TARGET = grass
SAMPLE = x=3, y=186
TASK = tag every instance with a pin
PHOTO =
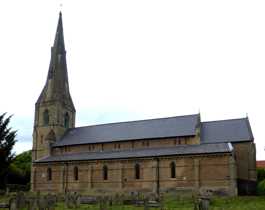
x=177, y=203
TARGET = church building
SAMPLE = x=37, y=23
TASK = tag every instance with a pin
x=155, y=155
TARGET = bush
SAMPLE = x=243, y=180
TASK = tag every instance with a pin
x=261, y=188
x=260, y=174
x=18, y=187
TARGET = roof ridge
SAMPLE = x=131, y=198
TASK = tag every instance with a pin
x=135, y=121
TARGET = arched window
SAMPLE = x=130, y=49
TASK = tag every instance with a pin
x=137, y=171
x=105, y=172
x=173, y=169
x=76, y=173
x=49, y=174
x=66, y=120
x=46, y=117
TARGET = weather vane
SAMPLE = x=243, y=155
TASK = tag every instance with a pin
x=61, y=6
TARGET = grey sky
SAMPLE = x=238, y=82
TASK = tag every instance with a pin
x=130, y=60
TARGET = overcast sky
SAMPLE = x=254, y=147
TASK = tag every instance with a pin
x=139, y=59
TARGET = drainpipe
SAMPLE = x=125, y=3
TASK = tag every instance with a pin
x=66, y=181
x=157, y=177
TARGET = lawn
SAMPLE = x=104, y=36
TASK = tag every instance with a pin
x=176, y=203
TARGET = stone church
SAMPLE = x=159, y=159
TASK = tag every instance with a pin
x=154, y=155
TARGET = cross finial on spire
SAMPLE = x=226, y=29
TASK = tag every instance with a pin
x=61, y=7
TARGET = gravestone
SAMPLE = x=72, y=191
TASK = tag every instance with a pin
x=72, y=200
x=50, y=201
x=76, y=200
x=202, y=203
x=102, y=203
x=21, y=200
x=42, y=203
x=146, y=207
x=205, y=202
x=13, y=204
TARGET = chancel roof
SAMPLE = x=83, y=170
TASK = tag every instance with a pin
x=142, y=153
x=235, y=130
x=134, y=130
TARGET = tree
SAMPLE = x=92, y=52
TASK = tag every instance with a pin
x=7, y=141
x=19, y=169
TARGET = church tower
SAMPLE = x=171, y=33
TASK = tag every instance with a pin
x=54, y=109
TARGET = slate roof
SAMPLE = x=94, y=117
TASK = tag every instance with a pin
x=235, y=130
x=143, y=129
x=142, y=153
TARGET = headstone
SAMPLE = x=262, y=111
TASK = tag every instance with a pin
x=161, y=200
x=51, y=201
x=76, y=200
x=72, y=200
x=146, y=207
x=13, y=204
x=205, y=204
x=68, y=200
x=21, y=200
x=42, y=203
x=32, y=204
x=7, y=191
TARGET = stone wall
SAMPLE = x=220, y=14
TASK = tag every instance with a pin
x=214, y=172
x=121, y=145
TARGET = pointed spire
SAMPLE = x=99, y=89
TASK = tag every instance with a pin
x=58, y=45
x=57, y=87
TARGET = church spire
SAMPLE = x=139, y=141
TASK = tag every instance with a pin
x=54, y=109
x=57, y=86
x=59, y=38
